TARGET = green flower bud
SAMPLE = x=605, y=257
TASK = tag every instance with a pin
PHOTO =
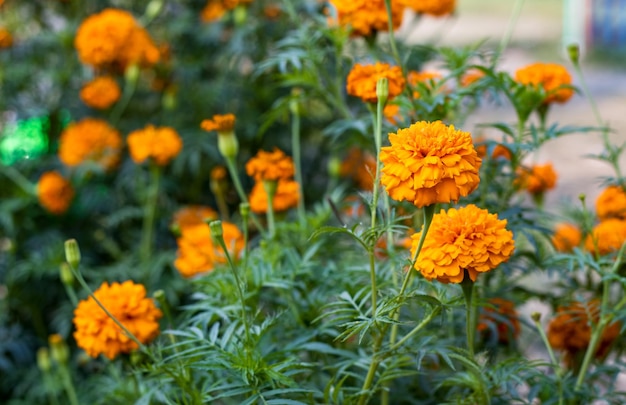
x=65, y=273
x=43, y=359
x=58, y=348
x=72, y=253
x=382, y=89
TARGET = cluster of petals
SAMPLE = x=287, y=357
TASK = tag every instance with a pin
x=537, y=179
x=606, y=237
x=112, y=37
x=435, y=8
x=6, y=39
x=465, y=239
x=90, y=140
x=286, y=197
x=360, y=166
x=554, y=79
x=97, y=333
x=101, y=93
x=499, y=318
x=215, y=9
x=566, y=237
x=55, y=192
x=429, y=163
x=161, y=144
x=499, y=150
x=611, y=203
x=198, y=253
x=362, y=80
x=471, y=76
x=366, y=17
x=192, y=215
x=271, y=166
x=219, y=123
x=426, y=77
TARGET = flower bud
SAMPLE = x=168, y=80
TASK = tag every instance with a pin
x=227, y=144
x=72, y=253
x=334, y=167
x=216, y=230
x=58, y=348
x=573, y=51
x=294, y=102
x=43, y=359
x=536, y=316
x=240, y=14
x=382, y=89
x=169, y=100
x=244, y=210
x=131, y=74
x=154, y=9
x=65, y=274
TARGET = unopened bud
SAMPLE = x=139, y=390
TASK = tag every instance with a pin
x=382, y=89
x=154, y=9
x=294, y=102
x=582, y=198
x=43, y=359
x=65, y=274
x=216, y=230
x=72, y=253
x=169, y=100
x=227, y=144
x=536, y=316
x=240, y=14
x=334, y=166
x=159, y=295
x=58, y=348
x=131, y=74
x=244, y=210
x=573, y=51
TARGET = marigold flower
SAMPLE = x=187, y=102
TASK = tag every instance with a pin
x=551, y=76
x=566, y=237
x=611, y=203
x=537, y=179
x=54, y=192
x=101, y=93
x=6, y=39
x=429, y=163
x=219, y=123
x=471, y=76
x=422, y=77
x=607, y=236
x=362, y=81
x=159, y=143
x=435, y=8
x=360, y=166
x=570, y=330
x=467, y=238
x=192, y=215
x=90, y=140
x=392, y=113
x=198, y=254
x=499, y=151
x=215, y=9
x=286, y=197
x=366, y=17
x=273, y=165
x=97, y=333
x=500, y=317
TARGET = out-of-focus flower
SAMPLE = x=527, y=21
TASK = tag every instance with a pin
x=198, y=254
x=6, y=39
x=566, y=237
x=366, y=17
x=286, y=197
x=426, y=77
x=360, y=166
x=224, y=125
x=435, y=8
x=392, y=113
x=271, y=166
x=219, y=123
x=429, y=163
x=608, y=236
x=551, y=76
x=501, y=318
x=272, y=11
x=90, y=140
x=362, y=81
x=537, y=179
x=159, y=143
x=192, y=215
x=215, y=9
x=499, y=151
x=611, y=203
x=467, y=238
x=471, y=76
x=54, y=192
x=100, y=93
x=97, y=333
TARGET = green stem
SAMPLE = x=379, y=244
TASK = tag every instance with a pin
x=378, y=122
x=392, y=39
x=68, y=385
x=121, y=105
x=230, y=164
x=506, y=38
x=470, y=327
x=297, y=160
x=49, y=388
x=270, y=191
x=152, y=196
x=373, y=279
x=71, y=294
x=19, y=180
x=555, y=363
x=436, y=311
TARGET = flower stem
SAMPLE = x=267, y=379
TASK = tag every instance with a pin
x=152, y=196
x=392, y=39
x=373, y=279
x=555, y=363
x=378, y=123
x=19, y=179
x=230, y=164
x=270, y=191
x=129, y=89
x=297, y=160
x=417, y=328
x=470, y=326
x=68, y=385
x=506, y=38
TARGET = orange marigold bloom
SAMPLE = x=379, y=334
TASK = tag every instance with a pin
x=6, y=39
x=97, y=333
x=286, y=197
x=538, y=179
x=159, y=143
x=101, y=93
x=422, y=77
x=198, y=254
x=360, y=166
x=362, y=81
x=215, y=9
x=500, y=317
x=273, y=165
x=551, y=76
x=611, y=203
x=429, y=163
x=90, y=140
x=608, y=235
x=570, y=331
x=499, y=151
x=54, y=192
x=365, y=17
x=193, y=215
x=435, y=8
x=467, y=238
x=566, y=237
x=471, y=76
x=392, y=113
x=219, y=123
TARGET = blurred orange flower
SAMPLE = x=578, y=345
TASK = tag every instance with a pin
x=537, y=179
x=272, y=166
x=215, y=9
x=6, y=39
x=159, y=143
x=551, y=76
x=366, y=17
x=471, y=76
x=435, y=8
x=425, y=77
x=500, y=317
x=566, y=237
x=54, y=192
x=499, y=151
x=90, y=140
x=429, y=163
x=219, y=123
x=192, y=215
x=360, y=166
x=611, y=203
x=362, y=81
x=467, y=238
x=100, y=93
x=608, y=236
x=97, y=333
x=287, y=196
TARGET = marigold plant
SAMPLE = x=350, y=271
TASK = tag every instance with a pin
x=366, y=17
x=101, y=93
x=90, y=140
x=611, y=203
x=362, y=81
x=499, y=320
x=271, y=166
x=286, y=197
x=429, y=163
x=554, y=79
x=55, y=193
x=566, y=237
x=161, y=144
x=97, y=333
x=467, y=238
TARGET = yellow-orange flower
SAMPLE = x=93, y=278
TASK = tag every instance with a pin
x=198, y=254
x=500, y=317
x=362, y=81
x=271, y=166
x=608, y=236
x=551, y=76
x=471, y=76
x=159, y=143
x=467, y=238
x=54, y=192
x=570, y=331
x=6, y=39
x=611, y=203
x=360, y=166
x=429, y=163
x=193, y=215
x=499, y=151
x=101, y=93
x=392, y=113
x=113, y=37
x=425, y=77
x=286, y=197
x=97, y=333
x=366, y=17
x=537, y=179
x=90, y=140
x=566, y=237
x=219, y=123
x=435, y=8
